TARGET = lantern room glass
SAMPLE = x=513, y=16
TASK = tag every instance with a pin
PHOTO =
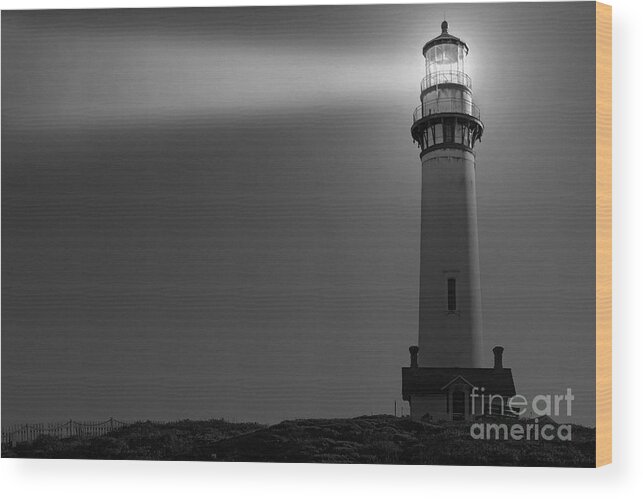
x=445, y=58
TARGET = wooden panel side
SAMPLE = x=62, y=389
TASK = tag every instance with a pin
x=603, y=234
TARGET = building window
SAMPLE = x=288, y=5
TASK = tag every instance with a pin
x=438, y=133
x=451, y=305
x=449, y=126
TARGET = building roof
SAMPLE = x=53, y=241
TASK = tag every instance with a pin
x=434, y=380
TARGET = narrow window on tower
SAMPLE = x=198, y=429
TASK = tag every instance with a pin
x=438, y=133
x=451, y=305
x=449, y=126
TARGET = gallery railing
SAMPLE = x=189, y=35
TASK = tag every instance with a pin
x=442, y=77
x=440, y=106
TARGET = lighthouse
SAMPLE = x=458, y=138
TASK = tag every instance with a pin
x=446, y=127
x=447, y=362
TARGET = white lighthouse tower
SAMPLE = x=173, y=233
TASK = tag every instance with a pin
x=446, y=370
x=446, y=127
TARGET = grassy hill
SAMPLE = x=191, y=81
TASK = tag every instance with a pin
x=367, y=439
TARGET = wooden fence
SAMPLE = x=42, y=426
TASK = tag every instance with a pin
x=29, y=432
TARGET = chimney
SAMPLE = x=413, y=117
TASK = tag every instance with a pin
x=497, y=357
x=414, y=355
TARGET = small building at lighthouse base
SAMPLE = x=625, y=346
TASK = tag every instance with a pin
x=457, y=393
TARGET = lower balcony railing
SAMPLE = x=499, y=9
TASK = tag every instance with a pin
x=442, y=77
x=439, y=106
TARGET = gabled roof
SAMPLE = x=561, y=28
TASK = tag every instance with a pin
x=459, y=377
x=433, y=380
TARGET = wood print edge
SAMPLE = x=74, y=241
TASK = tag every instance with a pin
x=603, y=234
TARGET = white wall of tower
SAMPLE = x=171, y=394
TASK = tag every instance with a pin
x=449, y=250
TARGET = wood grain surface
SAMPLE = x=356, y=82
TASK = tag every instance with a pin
x=603, y=234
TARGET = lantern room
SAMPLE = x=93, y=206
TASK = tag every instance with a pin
x=447, y=116
x=445, y=56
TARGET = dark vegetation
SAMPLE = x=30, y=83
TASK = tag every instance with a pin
x=366, y=439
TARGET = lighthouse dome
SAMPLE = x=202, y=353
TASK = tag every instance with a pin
x=445, y=38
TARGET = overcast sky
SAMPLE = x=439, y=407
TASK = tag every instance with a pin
x=215, y=212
